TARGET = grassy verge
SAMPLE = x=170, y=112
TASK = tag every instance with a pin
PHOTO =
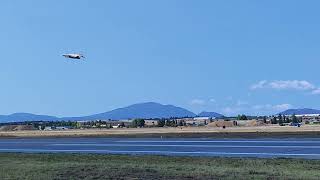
x=92, y=166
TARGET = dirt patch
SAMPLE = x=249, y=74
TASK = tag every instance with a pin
x=17, y=128
x=221, y=124
x=203, y=132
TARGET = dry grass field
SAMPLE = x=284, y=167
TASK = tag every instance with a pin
x=307, y=130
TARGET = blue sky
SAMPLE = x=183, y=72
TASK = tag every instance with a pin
x=253, y=57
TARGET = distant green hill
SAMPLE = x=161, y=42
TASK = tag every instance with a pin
x=300, y=111
x=141, y=110
x=210, y=114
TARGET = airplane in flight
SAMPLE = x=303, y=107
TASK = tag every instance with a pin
x=73, y=56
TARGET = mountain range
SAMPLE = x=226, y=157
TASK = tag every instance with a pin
x=141, y=110
x=210, y=114
x=300, y=111
x=20, y=117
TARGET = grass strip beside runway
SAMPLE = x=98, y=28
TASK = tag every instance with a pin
x=95, y=166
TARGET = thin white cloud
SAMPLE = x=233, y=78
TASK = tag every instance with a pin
x=229, y=98
x=282, y=107
x=212, y=100
x=284, y=85
x=316, y=91
x=259, y=85
x=298, y=85
x=269, y=107
x=232, y=110
x=259, y=107
x=197, y=102
x=287, y=85
x=264, y=109
x=242, y=103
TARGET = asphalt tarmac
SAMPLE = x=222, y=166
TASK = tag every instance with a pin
x=308, y=148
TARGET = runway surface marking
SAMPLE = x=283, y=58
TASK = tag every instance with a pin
x=263, y=148
x=231, y=141
x=163, y=141
x=179, y=145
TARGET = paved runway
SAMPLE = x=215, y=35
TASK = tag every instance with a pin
x=264, y=148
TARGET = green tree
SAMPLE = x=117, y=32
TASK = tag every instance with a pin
x=280, y=120
x=122, y=124
x=264, y=119
x=287, y=119
x=300, y=119
x=138, y=123
x=242, y=117
x=274, y=120
x=171, y=123
x=161, y=122
x=168, y=122
x=294, y=119
x=141, y=122
x=78, y=125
